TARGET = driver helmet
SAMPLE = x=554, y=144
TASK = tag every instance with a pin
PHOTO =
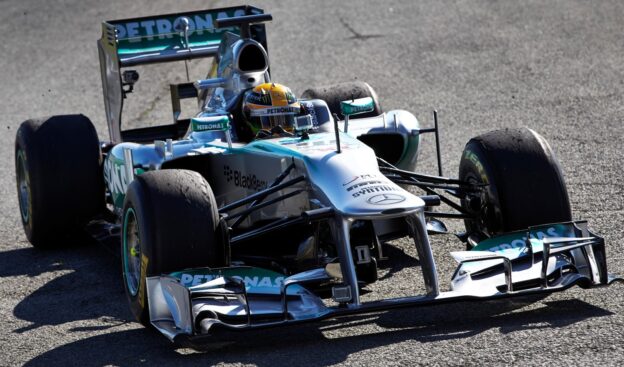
x=271, y=105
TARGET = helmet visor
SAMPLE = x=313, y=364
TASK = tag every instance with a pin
x=285, y=121
x=276, y=116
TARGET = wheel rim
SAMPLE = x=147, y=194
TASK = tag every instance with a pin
x=23, y=186
x=131, y=252
x=480, y=223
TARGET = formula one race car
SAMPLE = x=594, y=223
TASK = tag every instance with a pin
x=264, y=209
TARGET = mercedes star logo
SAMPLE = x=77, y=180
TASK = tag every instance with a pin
x=385, y=199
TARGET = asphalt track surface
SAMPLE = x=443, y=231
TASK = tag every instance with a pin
x=555, y=66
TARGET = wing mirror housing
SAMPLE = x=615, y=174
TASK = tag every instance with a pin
x=210, y=83
x=213, y=123
x=355, y=107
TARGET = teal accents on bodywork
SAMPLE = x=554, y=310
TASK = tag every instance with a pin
x=409, y=157
x=271, y=146
x=513, y=244
x=317, y=144
x=161, y=45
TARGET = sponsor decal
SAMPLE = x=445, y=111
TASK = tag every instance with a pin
x=351, y=181
x=144, y=262
x=163, y=28
x=211, y=126
x=472, y=157
x=116, y=179
x=256, y=280
x=244, y=180
x=517, y=240
x=189, y=280
x=374, y=189
x=357, y=106
x=208, y=125
x=258, y=98
x=365, y=183
x=360, y=177
x=275, y=111
x=511, y=246
x=386, y=199
x=309, y=107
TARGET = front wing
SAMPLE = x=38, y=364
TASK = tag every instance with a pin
x=233, y=300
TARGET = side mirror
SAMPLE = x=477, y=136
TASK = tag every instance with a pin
x=357, y=106
x=210, y=83
x=210, y=123
x=213, y=123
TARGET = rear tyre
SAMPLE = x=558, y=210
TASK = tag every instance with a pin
x=334, y=94
x=60, y=186
x=170, y=222
x=525, y=186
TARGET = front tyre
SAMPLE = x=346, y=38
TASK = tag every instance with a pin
x=523, y=183
x=170, y=222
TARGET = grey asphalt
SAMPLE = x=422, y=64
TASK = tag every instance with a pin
x=556, y=66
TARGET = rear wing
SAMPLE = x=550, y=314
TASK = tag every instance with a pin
x=157, y=39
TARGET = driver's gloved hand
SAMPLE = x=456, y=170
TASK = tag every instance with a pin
x=263, y=134
x=278, y=130
x=275, y=131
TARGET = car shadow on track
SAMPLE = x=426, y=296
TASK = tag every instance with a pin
x=85, y=284
x=284, y=346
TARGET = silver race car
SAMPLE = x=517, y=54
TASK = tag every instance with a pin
x=265, y=209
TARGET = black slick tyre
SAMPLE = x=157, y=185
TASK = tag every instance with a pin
x=524, y=185
x=59, y=178
x=334, y=94
x=169, y=223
